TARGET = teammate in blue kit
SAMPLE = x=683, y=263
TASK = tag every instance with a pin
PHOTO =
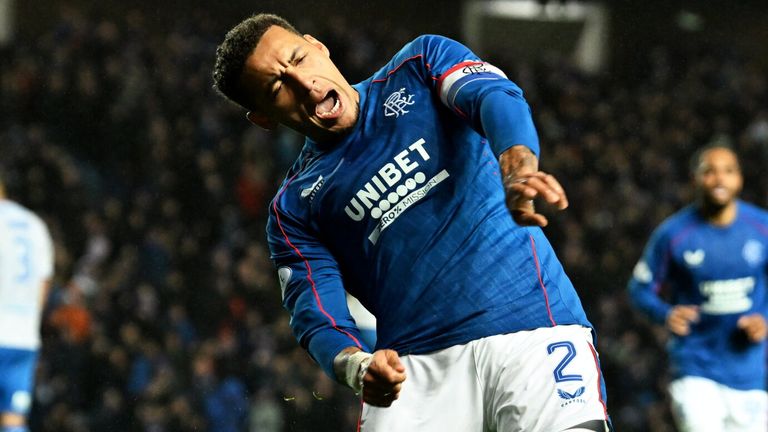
x=712, y=255
x=401, y=197
x=26, y=267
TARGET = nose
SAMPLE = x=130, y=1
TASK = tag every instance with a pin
x=301, y=78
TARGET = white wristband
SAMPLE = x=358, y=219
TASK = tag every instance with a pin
x=355, y=370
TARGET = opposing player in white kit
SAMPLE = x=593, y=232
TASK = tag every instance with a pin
x=402, y=197
x=711, y=259
x=26, y=268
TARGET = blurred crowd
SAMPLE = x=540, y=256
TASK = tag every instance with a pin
x=166, y=315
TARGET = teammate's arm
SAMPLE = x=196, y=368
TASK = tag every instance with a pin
x=647, y=278
x=754, y=325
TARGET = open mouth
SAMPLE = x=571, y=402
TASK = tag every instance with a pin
x=720, y=192
x=330, y=107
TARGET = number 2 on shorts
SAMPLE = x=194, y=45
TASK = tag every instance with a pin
x=570, y=354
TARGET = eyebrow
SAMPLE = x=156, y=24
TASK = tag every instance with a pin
x=291, y=59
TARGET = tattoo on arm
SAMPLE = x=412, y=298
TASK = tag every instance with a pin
x=516, y=161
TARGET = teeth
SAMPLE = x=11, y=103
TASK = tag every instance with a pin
x=335, y=108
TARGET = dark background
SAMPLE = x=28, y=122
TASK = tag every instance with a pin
x=165, y=315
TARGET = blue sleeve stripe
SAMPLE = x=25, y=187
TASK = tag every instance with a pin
x=308, y=266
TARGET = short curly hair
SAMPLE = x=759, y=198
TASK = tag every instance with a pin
x=232, y=54
x=695, y=162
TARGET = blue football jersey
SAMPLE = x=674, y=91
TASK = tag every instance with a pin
x=407, y=213
x=721, y=269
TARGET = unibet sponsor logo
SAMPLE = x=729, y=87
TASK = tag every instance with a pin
x=382, y=190
x=391, y=191
x=408, y=200
x=727, y=296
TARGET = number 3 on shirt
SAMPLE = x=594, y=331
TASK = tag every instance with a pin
x=23, y=271
x=570, y=354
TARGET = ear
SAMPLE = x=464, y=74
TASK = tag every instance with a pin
x=316, y=43
x=261, y=120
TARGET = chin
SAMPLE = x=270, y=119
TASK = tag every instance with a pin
x=718, y=204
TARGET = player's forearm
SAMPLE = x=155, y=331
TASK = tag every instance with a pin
x=517, y=161
x=506, y=121
x=322, y=332
x=648, y=302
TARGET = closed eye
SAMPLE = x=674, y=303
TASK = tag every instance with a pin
x=276, y=90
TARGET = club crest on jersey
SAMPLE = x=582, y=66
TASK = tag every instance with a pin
x=693, y=258
x=311, y=191
x=753, y=252
x=397, y=102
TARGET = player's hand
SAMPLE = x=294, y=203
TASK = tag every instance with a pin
x=522, y=190
x=680, y=318
x=754, y=326
x=384, y=379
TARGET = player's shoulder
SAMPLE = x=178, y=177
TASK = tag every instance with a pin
x=426, y=49
x=13, y=212
x=426, y=41
x=435, y=46
x=11, y=209
x=753, y=210
x=676, y=223
x=289, y=201
x=753, y=213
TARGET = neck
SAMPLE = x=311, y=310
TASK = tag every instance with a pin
x=719, y=215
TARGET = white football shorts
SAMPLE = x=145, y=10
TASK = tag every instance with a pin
x=545, y=380
x=702, y=405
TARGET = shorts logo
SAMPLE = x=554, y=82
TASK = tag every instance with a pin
x=571, y=398
x=568, y=396
x=397, y=102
